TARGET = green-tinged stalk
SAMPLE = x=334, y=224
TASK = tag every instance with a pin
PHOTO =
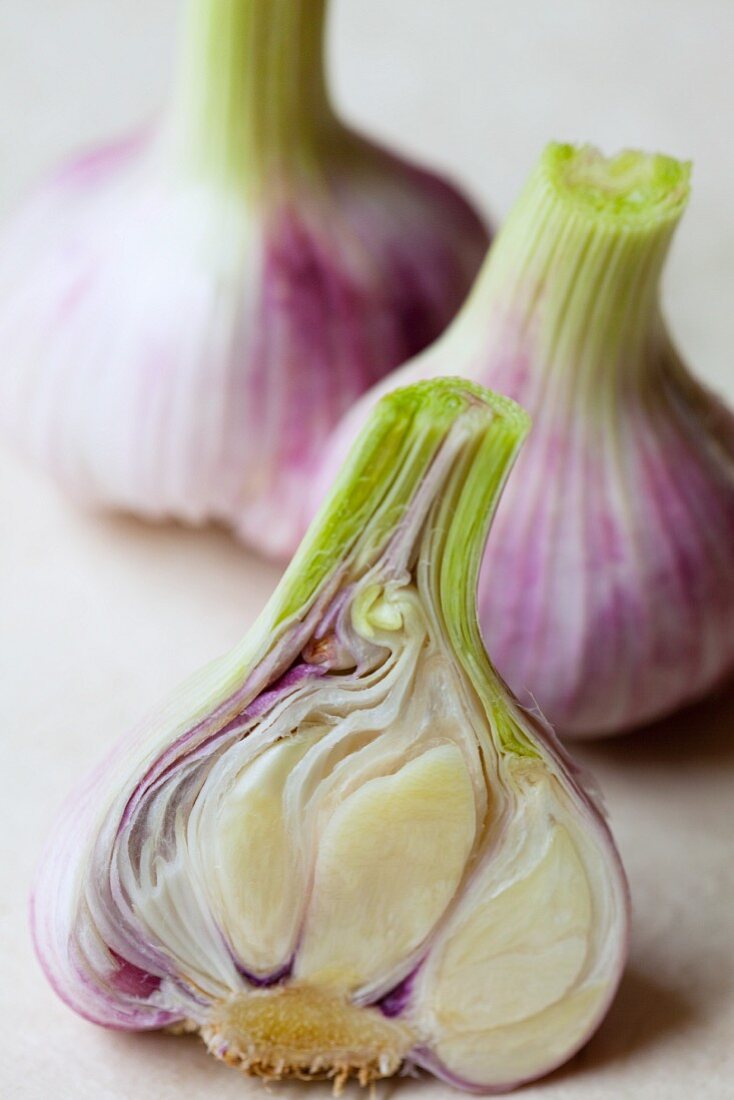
x=461, y=528
x=379, y=483
x=574, y=276
x=251, y=103
x=381, y=477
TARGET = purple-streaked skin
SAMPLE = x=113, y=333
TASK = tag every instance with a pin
x=607, y=592
x=186, y=314
x=648, y=535
x=366, y=663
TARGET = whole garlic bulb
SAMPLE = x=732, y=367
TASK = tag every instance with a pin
x=344, y=848
x=185, y=315
x=607, y=592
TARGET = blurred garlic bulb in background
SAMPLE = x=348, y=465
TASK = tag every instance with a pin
x=344, y=849
x=607, y=592
x=185, y=315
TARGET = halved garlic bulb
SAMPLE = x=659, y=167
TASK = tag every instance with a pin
x=607, y=595
x=184, y=316
x=345, y=848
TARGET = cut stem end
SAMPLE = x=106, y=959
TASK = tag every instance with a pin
x=631, y=188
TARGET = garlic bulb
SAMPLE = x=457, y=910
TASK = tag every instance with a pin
x=185, y=315
x=345, y=849
x=607, y=594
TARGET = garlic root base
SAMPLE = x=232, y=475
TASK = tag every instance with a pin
x=308, y=1034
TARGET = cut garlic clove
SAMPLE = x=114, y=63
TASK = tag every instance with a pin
x=390, y=861
x=250, y=856
x=345, y=849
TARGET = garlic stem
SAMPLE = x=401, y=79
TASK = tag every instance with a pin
x=575, y=273
x=251, y=102
x=397, y=450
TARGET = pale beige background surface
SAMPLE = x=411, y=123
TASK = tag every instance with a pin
x=98, y=618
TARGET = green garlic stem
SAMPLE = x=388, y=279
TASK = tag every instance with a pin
x=251, y=103
x=574, y=275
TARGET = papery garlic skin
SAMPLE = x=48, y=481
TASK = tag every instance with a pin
x=607, y=593
x=184, y=316
x=344, y=849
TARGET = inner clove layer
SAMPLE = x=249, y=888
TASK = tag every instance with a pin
x=344, y=849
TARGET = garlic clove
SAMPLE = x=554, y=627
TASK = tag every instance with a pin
x=345, y=849
x=513, y=963
x=184, y=316
x=607, y=592
x=390, y=861
x=259, y=883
